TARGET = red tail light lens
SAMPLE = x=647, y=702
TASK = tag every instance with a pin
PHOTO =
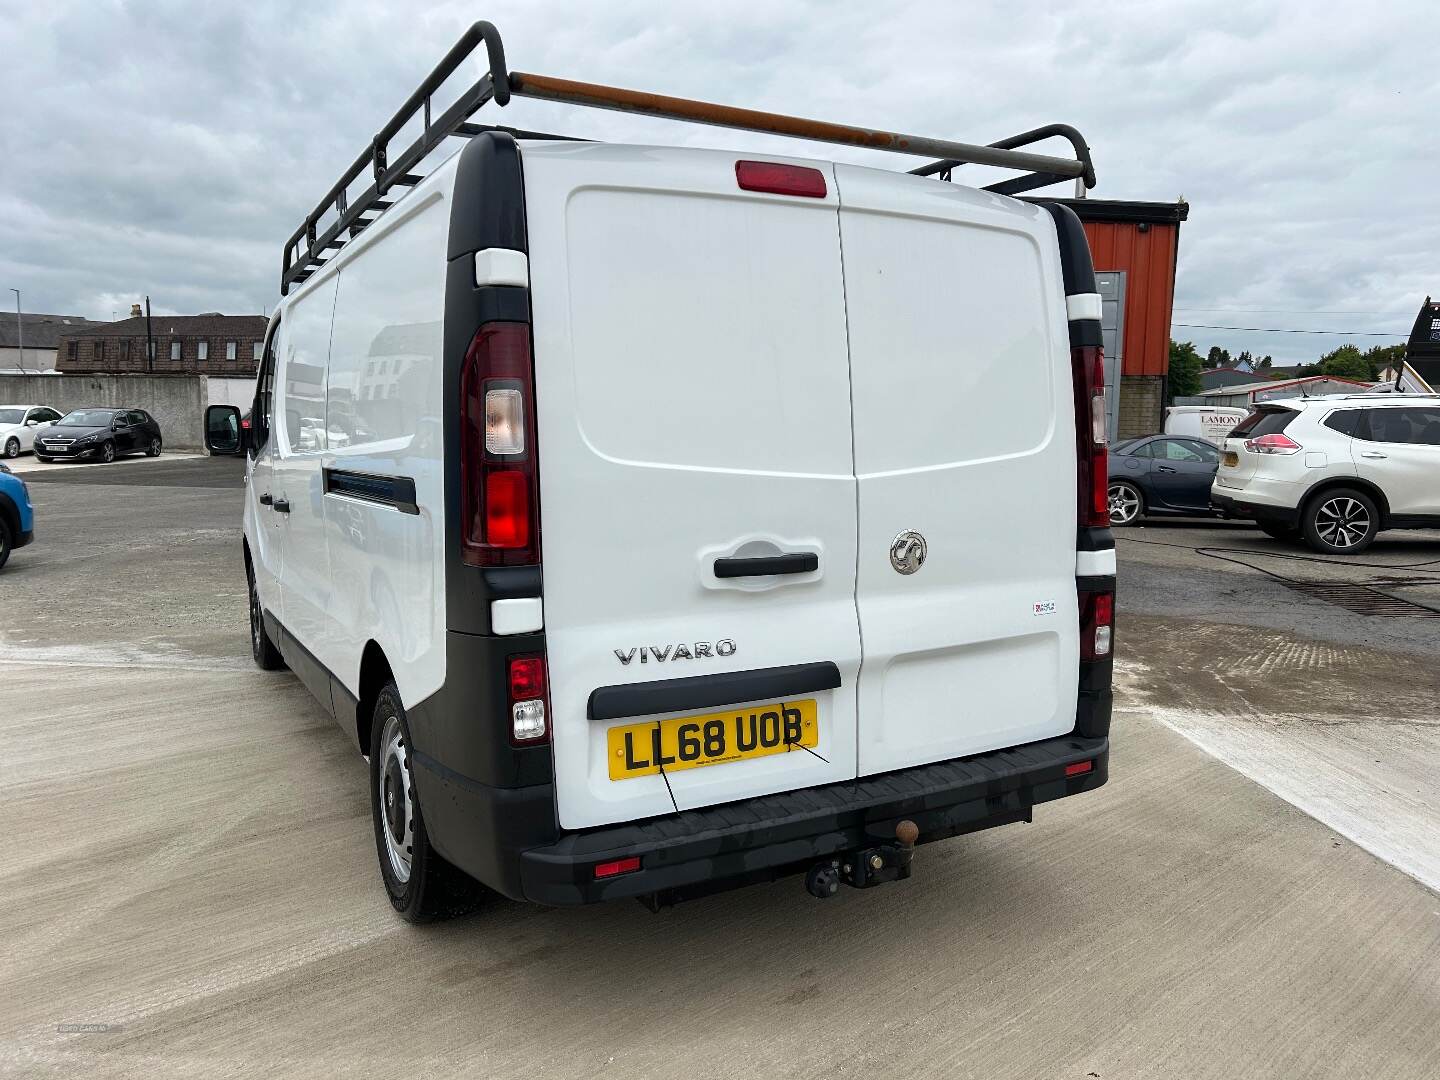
x=1080, y=768
x=780, y=179
x=1097, y=625
x=1273, y=444
x=529, y=702
x=1087, y=365
x=499, y=481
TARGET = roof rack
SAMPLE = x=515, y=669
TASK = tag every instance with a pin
x=311, y=246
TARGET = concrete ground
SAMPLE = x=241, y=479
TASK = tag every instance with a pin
x=190, y=888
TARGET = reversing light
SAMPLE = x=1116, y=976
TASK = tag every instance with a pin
x=617, y=866
x=527, y=700
x=504, y=421
x=1273, y=444
x=1097, y=618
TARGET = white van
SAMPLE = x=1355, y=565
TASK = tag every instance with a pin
x=1209, y=422
x=665, y=545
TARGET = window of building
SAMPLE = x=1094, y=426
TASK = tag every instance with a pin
x=72, y=350
x=230, y=348
x=202, y=349
x=125, y=349
x=175, y=349
x=97, y=350
x=255, y=348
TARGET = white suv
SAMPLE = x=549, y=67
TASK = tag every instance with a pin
x=1335, y=470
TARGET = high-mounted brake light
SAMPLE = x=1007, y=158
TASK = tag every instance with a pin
x=1097, y=622
x=780, y=179
x=499, y=485
x=1273, y=444
x=1087, y=366
x=528, y=700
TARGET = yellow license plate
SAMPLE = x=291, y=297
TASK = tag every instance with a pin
x=1230, y=459
x=689, y=742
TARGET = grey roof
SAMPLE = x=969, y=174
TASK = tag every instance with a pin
x=41, y=331
x=212, y=324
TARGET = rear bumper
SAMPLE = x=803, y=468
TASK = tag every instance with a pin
x=777, y=834
x=1233, y=506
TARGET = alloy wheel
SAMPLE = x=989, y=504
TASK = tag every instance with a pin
x=12, y=448
x=1342, y=522
x=396, y=806
x=1124, y=504
x=107, y=453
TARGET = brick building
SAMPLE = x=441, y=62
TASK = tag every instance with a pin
x=208, y=344
x=1134, y=247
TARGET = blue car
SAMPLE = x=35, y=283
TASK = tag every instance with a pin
x=17, y=516
x=1161, y=474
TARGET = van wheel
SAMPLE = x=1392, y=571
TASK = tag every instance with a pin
x=267, y=656
x=1341, y=521
x=1126, y=503
x=12, y=448
x=421, y=885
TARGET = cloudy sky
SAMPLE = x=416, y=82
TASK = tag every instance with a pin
x=169, y=148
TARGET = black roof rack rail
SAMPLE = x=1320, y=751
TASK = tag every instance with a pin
x=304, y=250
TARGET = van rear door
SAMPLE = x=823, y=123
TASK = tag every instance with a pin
x=965, y=457
x=693, y=405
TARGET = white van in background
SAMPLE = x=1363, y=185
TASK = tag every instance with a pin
x=652, y=541
x=1209, y=422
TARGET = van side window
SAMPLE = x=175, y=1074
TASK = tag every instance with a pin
x=302, y=360
x=260, y=411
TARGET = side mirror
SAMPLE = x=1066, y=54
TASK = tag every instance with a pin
x=32, y=422
x=223, y=434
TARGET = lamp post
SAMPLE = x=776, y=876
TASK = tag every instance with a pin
x=19, y=332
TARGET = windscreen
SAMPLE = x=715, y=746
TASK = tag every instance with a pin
x=87, y=418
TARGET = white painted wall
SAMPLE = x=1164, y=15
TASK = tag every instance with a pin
x=237, y=392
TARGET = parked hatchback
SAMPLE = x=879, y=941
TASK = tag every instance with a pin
x=1335, y=470
x=20, y=424
x=100, y=435
x=1160, y=474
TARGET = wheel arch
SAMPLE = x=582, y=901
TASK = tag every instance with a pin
x=10, y=513
x=1359, y=483
x=375, y=672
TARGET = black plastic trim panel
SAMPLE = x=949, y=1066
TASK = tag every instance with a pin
x=393, y=491
x=794, y=828
x=1090, y=538
x=707, y=691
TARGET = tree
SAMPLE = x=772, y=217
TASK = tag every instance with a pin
x=1382, y=356
x=1347, y=362
x=1185, y=366
x=1245, y=358
x=1265, y=361
x=1217, y=357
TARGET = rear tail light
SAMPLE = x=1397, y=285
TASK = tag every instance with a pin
x=499, y=481
x=1273, y=444
x=1097, y=624
x=1087, y=365
x=528, y=701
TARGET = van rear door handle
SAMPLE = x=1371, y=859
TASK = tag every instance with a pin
x=282, y=506
x=797, y=562
x=1373, y=454
x=265, y=499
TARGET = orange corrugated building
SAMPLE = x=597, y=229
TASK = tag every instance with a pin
x=1134, y=246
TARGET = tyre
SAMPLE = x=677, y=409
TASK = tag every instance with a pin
x=107, y=452
x=153, y=450
x=267, y=656
x=1341, y=521
x=1279, y=530
x=1127, y=503
x=12, y=447
x=421, y=885
x=6, y=541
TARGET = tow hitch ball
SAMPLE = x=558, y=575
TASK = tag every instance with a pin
x=867, y=867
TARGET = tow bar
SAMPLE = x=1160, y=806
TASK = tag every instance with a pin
x=867, y=867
